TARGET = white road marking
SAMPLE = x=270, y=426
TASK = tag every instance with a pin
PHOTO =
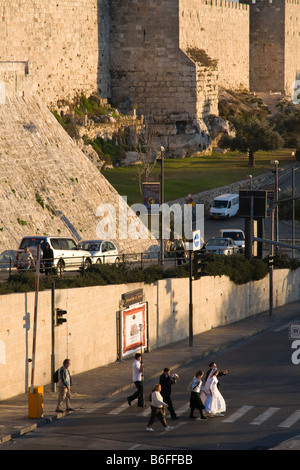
x=238, y=414
x=287, y=423
x=264, y=416
x=118, y=410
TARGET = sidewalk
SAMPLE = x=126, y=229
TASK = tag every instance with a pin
x=93, y=386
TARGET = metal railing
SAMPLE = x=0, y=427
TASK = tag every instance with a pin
x=70, y=265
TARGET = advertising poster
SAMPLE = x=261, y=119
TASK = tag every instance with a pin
x=133, y=329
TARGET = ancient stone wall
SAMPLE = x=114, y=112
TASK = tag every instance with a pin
x=221, y=29
x=147, y=68
x=49, y=187
x=59, y=39
x=267, y=39
x=292, y=45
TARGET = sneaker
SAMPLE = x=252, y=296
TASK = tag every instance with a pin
x=168, y=428
x=192, y=417
x=150, y=429
x=58, y=410
x=175, y=417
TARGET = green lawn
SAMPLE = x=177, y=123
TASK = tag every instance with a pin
x=196, y=174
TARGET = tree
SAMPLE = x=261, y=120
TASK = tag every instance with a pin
x=252, y=134
x=287, y=124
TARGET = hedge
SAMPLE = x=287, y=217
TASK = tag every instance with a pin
x=236, y=267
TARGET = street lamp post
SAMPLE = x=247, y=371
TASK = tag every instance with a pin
x=276, y=163
x=141, y=327
x=162, y=177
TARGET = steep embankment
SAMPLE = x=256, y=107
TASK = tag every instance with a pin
x=47, y=185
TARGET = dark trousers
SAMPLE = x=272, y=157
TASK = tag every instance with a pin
x=160, y=413
x=168, y=401
x=138, y=394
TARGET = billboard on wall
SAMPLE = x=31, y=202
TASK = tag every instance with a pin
x=133, y=329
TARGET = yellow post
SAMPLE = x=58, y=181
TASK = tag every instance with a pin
x=36, y=402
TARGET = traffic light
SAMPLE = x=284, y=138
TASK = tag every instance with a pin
x=198, y=264
x=271, y=261
x=59, y=313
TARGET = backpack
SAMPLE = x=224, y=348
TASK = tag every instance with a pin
x=56, y=376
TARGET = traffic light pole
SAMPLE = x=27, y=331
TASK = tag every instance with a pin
x=191, y=301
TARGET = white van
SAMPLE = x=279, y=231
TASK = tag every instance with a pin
x=225, y=206
x=237, y=236
x=67, y=255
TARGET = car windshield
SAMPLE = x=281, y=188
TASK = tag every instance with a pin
x=90, y=246
x=220, y=204
x=217, y=242
x=234, y=235
x=28, y=242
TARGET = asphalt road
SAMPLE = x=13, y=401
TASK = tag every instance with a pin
x=261, y=391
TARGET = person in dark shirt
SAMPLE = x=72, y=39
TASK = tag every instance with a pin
x=166, y=382
x=48, y=258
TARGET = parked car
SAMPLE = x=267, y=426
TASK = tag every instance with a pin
x=237, y=236
x=101, y=251
x=67, y=255
x=221, y=246
x=225, y=206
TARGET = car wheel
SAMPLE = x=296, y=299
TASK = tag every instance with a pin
x=60, y=266
x=87, y=263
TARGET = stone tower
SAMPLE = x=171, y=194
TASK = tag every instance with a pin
x=274, y=45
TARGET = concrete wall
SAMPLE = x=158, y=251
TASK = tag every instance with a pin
x=89, y=336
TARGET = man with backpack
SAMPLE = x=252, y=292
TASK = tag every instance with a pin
x=64, y=386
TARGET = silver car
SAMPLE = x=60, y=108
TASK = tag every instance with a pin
x=101, y=251
x=221, y=246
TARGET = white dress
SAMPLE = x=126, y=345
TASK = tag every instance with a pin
x=214, y=403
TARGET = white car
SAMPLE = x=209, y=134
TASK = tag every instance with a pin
x=221, y=246
x=101, y=251
x=67, y=255
x=237, y=236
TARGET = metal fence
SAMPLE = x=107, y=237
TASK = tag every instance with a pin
x=72, y=265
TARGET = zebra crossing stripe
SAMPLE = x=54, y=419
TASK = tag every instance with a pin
x=237, y=414
x=183, y=409
x=118, y=410
x=287, y=423
x=264, y=416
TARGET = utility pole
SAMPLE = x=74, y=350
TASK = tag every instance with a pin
x=53, y=334
x=191, y=300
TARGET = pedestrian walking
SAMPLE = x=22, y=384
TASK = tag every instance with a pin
x=137, y=378
x=64, y=386
x=166, y=382
x=212, y=367
x=196, y=388
x=48, y=258
x=157, y=409
x=215, y=404
x=178, y=247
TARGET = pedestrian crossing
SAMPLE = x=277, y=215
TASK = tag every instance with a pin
x=241, y=413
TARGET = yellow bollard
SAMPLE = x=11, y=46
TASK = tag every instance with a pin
x=36, y=402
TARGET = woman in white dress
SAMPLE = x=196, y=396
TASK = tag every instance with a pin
x=214, y=403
